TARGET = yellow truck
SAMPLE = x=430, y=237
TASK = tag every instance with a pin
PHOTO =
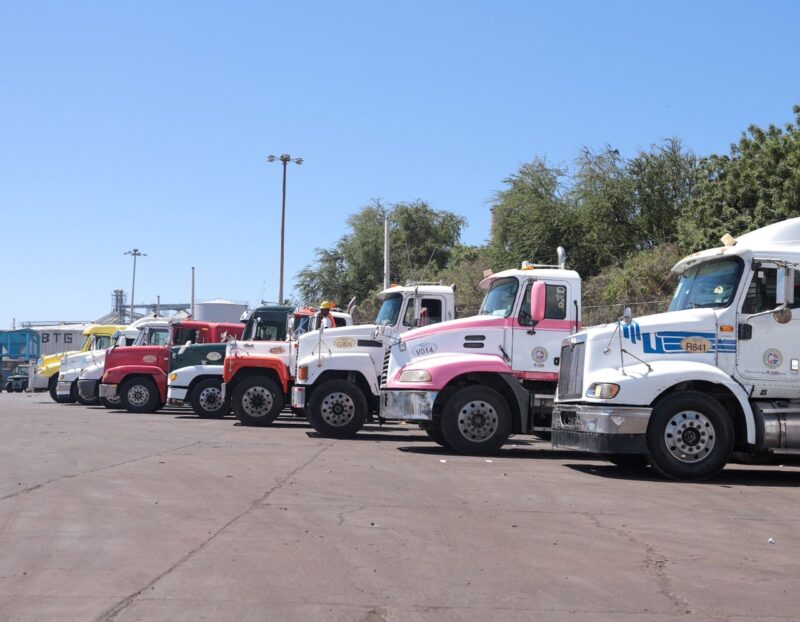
x=98, y=337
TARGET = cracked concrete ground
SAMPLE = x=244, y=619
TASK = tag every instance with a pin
x=112, y=516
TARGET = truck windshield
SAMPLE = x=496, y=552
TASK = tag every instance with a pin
x=390, y=309
x=709, y=285
x=499, y=300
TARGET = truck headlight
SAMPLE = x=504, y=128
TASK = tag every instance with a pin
x=173, y=377
x=415, y=375
x=602, y=390
x=302, y=372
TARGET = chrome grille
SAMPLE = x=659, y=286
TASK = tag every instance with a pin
x=570, y=375
x=385, y=370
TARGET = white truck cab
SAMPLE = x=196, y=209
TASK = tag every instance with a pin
x=472, y=382
x=718, y=372
x=338, y=369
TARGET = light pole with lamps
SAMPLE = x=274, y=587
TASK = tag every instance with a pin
x=136, y=253
x=284, y=159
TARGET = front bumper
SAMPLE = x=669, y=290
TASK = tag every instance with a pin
x=107, y=390
x=40, y=383
x=87, y=388
x=298, y=397
x=176, y=395
x=64, y=388
x=408, y=405
x=601, y=428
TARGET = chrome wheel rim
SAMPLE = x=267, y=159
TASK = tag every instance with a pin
x=338, y=409
x=209, y=399
x=138, y=395
x=113, y=400
x=257, y=402
x=478, y=421
x=689, y=436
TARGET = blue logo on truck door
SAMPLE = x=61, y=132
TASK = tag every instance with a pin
x=677, y=342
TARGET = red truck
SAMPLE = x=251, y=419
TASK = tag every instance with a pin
x=138, y=374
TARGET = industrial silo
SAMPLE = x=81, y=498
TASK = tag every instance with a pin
x=219, y=310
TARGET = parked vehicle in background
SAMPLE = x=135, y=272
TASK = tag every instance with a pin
x=138, y=374
x=473, y=382
x=97, y=337
x=338, y=370
x=258, y=374
x=18, y=380
x=720, y=371
x=147, y=331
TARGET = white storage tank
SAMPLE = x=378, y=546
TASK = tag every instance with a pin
x=219, y=310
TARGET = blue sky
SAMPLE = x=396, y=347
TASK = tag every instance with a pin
x=147, y=124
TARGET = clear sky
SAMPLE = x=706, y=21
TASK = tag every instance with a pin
x=147, y=124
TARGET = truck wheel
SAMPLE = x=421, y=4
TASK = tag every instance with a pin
x=476, y=420
x=206, y=399
x=257, y=401
x=690, y=436
x=139, y=395
x=9, y=388
x=51, y=388
x=627, y=461
x=434, y=431
x=337, y=409
x=110, y=402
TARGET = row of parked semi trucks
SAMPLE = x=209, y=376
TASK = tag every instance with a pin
x=716, y=374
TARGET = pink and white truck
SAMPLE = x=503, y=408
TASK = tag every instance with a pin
x=472, y=382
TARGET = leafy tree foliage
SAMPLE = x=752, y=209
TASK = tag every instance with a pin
x=422, y=240
x=757, y=184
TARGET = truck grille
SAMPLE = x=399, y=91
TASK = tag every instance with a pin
x=570, y=376
x=385, y=370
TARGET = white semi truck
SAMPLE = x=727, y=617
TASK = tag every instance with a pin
x=719, y=372
x=338, y=369
x=473, y=382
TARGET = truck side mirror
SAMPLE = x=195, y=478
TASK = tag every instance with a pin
x=538, y=300
x=784, y=286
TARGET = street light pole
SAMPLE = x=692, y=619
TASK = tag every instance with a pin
x=284, y=158
x=136, y=253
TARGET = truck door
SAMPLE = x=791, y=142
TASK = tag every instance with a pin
x=768, y=351
x=537, y=352
x=431, y=311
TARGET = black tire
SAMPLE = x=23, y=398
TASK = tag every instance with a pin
x=51, y=388
x=689, y=437
x=257, y=401
x=9, y=388
x=206, y=399
x=112, y=403
x=476, y=420
x=434, y=431
x=337, y=409
x=139, y=395
x=627, y=461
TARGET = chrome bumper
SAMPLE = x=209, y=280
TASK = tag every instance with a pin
x=176, y=395
x=408, y=405
x=107, y=390
x=298, y=397
x=40, y=382
x=600, y=428
x=64, y=388
x=223, y=391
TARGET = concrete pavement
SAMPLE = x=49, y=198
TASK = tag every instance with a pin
x=106, y=515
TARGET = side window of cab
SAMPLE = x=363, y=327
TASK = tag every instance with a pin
x=761, y=292
x=555, y=304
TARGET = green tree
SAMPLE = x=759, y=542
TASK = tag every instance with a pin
x=757, y=184
x=422, y=240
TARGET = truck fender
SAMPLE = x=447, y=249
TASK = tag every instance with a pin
x=346, y=362
x=186, y=376
x=666, y=375
x=235, y=366
x=443, y=368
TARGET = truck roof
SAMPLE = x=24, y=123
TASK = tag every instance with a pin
x=769, y=240
x=426, y=288
x=531, y=272
x=103, y=329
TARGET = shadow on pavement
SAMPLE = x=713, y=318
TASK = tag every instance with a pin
x=530, y=452
x=774, y=476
